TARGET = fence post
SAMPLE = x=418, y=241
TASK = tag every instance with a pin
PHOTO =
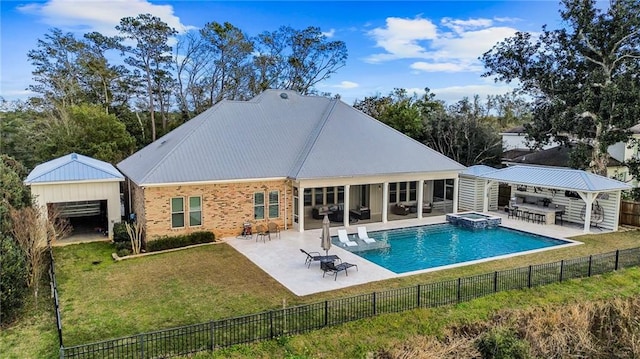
x=271, y=324
x=61, y=352
x=212, y=333
x=617, y=259
x=326, y=313
x=141, y=340
x=529, y=279
x=374, y=303
x=418, y=295
x=459, y=285
x=589, y=272
x=561, y=270
x=495, y=281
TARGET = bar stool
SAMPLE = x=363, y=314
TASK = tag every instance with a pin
x=540, y=218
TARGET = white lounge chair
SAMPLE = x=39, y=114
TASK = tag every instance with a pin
x=364, y=236
x=344, y=238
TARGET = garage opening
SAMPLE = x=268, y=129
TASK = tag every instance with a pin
x=88, y=219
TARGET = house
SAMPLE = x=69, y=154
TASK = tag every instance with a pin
x=285, y=158
x=516, y=152
x=82, y=189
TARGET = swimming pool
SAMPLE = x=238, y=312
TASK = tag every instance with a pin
x=436, y=245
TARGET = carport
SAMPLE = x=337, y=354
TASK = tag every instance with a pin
x=78, y=186
x=576, y=190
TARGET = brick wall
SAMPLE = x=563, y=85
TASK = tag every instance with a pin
x=225, y=207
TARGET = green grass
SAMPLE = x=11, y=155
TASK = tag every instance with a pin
x=102, y=299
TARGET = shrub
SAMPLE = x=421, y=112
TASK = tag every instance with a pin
x=168, y=242
x=122, y=245
x=502, y=343
x=123, y=252
x=120, y=233
x=13, y=281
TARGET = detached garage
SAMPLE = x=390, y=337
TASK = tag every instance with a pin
x=82, y=189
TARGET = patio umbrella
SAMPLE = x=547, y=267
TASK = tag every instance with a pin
x=325, y=238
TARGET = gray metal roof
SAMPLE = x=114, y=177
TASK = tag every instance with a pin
x=560, y=178
x=477, y=170
x=73, y=167
x=280, y=134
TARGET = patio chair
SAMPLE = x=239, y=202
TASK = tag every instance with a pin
x=330, y=267
x=261, y=232
x=364, y=236
x=273, y=228
x=344, y=239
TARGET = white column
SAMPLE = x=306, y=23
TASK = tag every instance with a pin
x=455, y=195
x=617, y=213
x=385, y=201
x=588, y=202
x=300, y=209
x=345, y=214
x=420, y=197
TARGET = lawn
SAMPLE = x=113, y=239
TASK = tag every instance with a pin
x=104, y=299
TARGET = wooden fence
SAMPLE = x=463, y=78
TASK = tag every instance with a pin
x=630, y=213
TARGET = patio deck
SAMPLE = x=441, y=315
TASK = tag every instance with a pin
x=281, y=257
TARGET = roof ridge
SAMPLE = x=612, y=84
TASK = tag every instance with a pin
x=181, y=140
x=312, y=139
x=80, y=158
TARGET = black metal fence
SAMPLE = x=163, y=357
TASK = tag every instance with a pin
x=54, y=294
x=299, y=319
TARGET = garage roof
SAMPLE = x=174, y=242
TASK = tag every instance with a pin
x=73, y=167
x=560, y=178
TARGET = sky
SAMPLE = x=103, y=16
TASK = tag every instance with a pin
x=391, y=44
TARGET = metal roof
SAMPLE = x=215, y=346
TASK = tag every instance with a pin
x=477, y=170
x=280, y=134
x=73, y=167
x=560, y=178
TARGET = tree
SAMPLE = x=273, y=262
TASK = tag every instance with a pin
x=56, y=70
x=33, y=231
x=231, y=51
x=88, y=130
x=584, y=78
x=151, y=55
x=296, y=59
x=13, y=281
x=14, y=193
x=398, y=110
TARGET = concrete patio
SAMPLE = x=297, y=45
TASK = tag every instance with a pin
x=281, y=257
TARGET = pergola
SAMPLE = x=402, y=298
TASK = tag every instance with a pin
x=587, y=185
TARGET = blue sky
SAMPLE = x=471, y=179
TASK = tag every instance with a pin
x=411, y=45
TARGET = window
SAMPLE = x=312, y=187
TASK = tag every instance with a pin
x=318, y=194
x=274, y=204
x=177, y=212
x=340, y=194
x=403, y=191
x=195, y=211
x=307, y=196
x=392, y=193
x=330, y=195
x=258, y=205
x=412, y=190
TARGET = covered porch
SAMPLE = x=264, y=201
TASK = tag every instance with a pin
x=347, y=201
x=568, y=195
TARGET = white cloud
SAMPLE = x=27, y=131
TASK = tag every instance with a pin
x=101, y=16
x=347, y=85
x=454, y=46
x=400, y=38
x=453, y=94
x=329, y=34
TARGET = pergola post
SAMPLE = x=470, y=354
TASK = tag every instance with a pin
x=588, y=199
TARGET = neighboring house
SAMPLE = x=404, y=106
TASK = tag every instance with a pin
x=78, y=187
x=285, y=158
x=558, y=156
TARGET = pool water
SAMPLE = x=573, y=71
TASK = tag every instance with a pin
x=473, y=215
x=436, y=245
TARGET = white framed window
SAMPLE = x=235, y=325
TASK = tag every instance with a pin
x=195, y=211
x=177, y=212
x=258, y=205
x=274, y=204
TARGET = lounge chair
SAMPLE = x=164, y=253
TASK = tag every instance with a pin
x=316, y=256
x=344, y=238
x=261, y=232
x=330, y=267
x=364, y=236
